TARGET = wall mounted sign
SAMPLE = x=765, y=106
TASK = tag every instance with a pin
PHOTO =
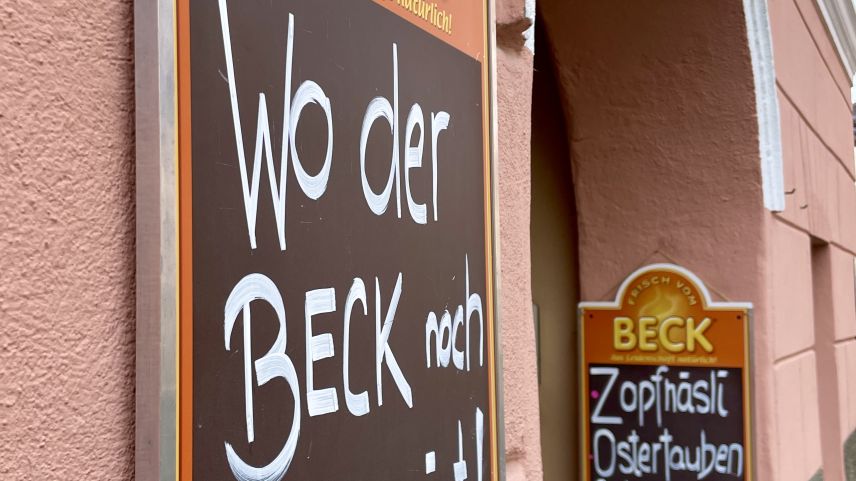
x=335, y=241
x=665, y=382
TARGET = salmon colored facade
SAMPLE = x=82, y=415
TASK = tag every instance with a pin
x=716, y=135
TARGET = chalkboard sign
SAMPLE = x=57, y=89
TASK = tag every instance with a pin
x=665, y=382
x=336, y=282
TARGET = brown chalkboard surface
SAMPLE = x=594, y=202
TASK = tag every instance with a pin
x=337, y=300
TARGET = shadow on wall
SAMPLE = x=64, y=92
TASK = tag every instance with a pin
x=555, y=286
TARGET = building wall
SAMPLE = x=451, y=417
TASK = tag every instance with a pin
x=664, y=145
x=520, y=382
x=66, y=240
x=666, y=167
x=814, y=358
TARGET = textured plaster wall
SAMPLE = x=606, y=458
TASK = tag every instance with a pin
x=66, y=240
x=663, y=138
x=520, y=382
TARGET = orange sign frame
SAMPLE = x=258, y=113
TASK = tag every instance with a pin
x=611, y=333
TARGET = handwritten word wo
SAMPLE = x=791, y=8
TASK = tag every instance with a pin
x=314, y=186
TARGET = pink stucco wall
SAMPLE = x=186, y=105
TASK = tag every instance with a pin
x=66, y=240
x=814, y=349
